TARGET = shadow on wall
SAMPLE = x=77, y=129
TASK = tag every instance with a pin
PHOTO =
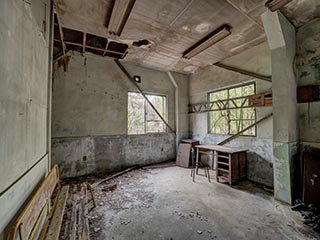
x=259, y=169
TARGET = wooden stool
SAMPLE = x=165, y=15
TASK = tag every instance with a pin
x=195, y=166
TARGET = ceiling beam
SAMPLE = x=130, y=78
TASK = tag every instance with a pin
x=244, y=72
x=60, y=31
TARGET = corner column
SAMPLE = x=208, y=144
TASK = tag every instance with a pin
x=281, y=36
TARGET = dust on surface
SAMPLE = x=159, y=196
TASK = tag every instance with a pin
x=129, y=191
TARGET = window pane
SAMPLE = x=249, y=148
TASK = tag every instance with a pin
x=219, y=95
x=219, y=122
x=235, y=92
x=154, y=122
x=141, y=116
x=136, y=113
x=155, y=127
x=158, y=103
x=238, y=117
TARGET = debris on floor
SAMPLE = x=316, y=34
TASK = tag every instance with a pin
x=156, y=203
x=75, y=220
x=310, y=213
x=109, y=188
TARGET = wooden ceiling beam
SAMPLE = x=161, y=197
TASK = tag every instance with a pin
x=60, y=30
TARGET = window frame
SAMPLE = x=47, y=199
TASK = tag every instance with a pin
x=145, y=107
x=229, y=88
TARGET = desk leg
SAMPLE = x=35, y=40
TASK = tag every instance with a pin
x=197, y=164
x=216, y=165
x=230, y=170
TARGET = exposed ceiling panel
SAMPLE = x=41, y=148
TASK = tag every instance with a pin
x=172, y=26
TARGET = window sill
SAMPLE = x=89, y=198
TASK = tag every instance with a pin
x=148, y=134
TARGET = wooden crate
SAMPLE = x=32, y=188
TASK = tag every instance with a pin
x=262, y=99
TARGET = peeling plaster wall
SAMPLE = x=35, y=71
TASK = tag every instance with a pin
x=308, y=73
x=257, y=59
x=89, y=116
x=24, y=66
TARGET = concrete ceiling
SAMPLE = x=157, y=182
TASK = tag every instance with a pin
x=172, y=26
x=300, y=12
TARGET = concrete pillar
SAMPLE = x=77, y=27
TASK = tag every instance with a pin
x=281, y=37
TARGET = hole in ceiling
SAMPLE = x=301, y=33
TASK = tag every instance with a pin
x=96, y=41
x=140, y=43
x=117, y=47
x=70, y=35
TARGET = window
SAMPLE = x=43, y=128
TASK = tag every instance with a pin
x=141, y=117
x=231, y=112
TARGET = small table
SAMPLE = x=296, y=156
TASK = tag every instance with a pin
x=231, y=163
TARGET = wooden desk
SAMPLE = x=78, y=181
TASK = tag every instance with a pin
x=231, y=163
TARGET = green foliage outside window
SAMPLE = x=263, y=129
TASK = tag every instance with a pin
x=231, y=121
x=141, y=117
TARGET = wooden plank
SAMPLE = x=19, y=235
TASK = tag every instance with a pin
x=73, y=223
x=80, y=209
x=55, y=224
x=60, y=30
x=83, y=223
x=183, y=155
x=27, y=220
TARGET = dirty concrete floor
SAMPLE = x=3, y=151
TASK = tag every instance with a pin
x=164, y=203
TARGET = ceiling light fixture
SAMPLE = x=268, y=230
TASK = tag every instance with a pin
x=212, y=38
x=119, y=16
x=274, y=5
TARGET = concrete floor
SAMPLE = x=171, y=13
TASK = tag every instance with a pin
x=164, y=203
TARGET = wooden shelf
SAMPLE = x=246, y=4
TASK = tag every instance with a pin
x=232, y=166
x=224, y=178
x=223, y=163
x=223, y=156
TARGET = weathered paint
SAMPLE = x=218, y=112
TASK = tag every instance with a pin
x=307, y=72
x=24, y=103
x=99, y=154
x=281, y=36
x=89, y=118
x=258, y=60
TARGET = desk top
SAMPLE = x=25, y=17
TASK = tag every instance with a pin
x=221, y=148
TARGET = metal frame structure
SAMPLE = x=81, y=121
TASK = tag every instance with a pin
x=227, y=104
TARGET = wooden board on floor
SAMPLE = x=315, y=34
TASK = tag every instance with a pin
x=183, y=157
x=55, y=225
